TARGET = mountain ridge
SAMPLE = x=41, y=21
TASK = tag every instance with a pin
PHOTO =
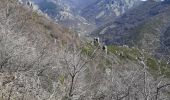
x=41, y=60
x=73, y=12
x=143, y=27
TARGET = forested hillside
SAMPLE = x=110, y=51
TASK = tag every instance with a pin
x=40, y=60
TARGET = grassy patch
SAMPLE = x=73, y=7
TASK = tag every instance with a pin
x=152, y=63
x=125, y=52
x=155, y=66
x=158, y=68
x=62, y=79
x=35, y=16
x=88, y=49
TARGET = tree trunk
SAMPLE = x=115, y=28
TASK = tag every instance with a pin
x=71, y=86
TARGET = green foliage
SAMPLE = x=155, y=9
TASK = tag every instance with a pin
x=87, y=49
x=61, y=79
x=125, y=52
x=113, y=49
x=165, y=69
x=152, y=63
x=35, y=16
x=158, y=68
x=155, y=66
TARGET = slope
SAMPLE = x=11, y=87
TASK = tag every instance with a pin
x=65, y=12
x=40, y=60
x=104, y=11
x=145, y=26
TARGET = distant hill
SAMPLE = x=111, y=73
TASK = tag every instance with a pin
x=64, y=12
x=104, y=11
x=83, y=16
x=146, y=26
x=40, y=60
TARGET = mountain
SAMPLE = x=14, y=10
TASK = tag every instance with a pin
x=103, y=11
x=65, y=13
x=84, y=16
x=81, y=4
x=41, y=60
x=145, y=26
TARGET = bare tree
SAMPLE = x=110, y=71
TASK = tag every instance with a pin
x=76, y=62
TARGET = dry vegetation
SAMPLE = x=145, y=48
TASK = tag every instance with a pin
x=39, y=60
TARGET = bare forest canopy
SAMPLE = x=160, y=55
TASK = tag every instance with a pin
x=40, y=60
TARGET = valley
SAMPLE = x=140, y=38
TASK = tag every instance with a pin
x=84, y=16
